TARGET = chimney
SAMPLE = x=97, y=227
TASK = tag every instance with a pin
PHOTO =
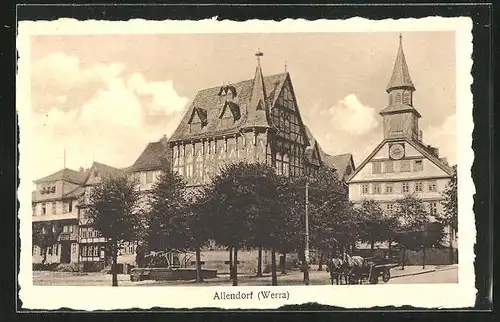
x=82, y=170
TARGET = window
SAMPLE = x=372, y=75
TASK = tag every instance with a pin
x=433, y=208
x=73, y=248
x=286, y=165
x=398, y=98
x=35, y=250
x=389, y=188
x=432, y=186
x=54, y=208
x=96, y=251
x=364, y=188
x=418, y=186
x=376, y=167
x=406, y=98
x=405, y=166
x=65, y=229
x=279, y=163
x=389, y=166
x=418, y=165
x=406, y=187
x=56, y=249
x=44, y=209
x=389, y=207
x=49, y=250
x=376, y=188
x=149, y=177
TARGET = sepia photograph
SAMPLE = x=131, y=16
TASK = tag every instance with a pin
x=243, y=163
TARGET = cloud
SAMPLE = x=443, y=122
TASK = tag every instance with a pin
x=97, y=112
x=350, y=116
x=443, y=137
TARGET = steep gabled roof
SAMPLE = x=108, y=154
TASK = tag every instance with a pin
x=340, y=162
x=313, y=145
x=66, y=174
x=102, y=169
x=400, y=74
x=153, y=157
x=209, y=100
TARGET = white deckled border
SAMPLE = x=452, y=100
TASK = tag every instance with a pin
x=108, y=298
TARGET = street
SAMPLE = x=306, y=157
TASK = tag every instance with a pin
x=418, y=275
x=444, y=276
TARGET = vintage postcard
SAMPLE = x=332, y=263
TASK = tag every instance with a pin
x=257, y=164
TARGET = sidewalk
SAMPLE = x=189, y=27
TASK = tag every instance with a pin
x=417, y=270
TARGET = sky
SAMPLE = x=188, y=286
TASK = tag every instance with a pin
x=104, y=97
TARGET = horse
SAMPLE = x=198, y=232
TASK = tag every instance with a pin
x=354, y=266
x=336, y=268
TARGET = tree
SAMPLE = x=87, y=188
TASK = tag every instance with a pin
x=45, y=235
x=411, y=213
x=239, y=196
x=166, y=222
x=199, y=233
x=373, y=224
x=113, y=210
x=333, y=221
x=449, y=216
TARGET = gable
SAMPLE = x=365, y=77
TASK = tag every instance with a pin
x=285, y=116
x=414, y=164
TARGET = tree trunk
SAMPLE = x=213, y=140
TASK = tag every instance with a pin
x=235, y=267
x=259, y=262
x=274, y=278
x=390, y=248
x=231, y=263
x=452, y=255
x=44, y=259
x=283, y=267
x=199, y=277
x=114, y=273
x=321, y=258
x=372, y=245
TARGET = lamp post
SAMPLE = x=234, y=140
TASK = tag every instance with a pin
x=306, y=247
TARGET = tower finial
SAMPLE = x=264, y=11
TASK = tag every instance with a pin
x=400, y=39
x=259, y=54
x=286, y=66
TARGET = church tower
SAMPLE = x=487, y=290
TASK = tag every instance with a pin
x=400, y=117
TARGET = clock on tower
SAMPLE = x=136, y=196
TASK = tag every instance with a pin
x=396, y=151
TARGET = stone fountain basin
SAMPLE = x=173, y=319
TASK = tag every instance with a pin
x=169, y=274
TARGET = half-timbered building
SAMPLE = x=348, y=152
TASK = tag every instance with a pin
x=256, y=120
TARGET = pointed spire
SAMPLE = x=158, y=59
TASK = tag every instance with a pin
x=400, y=74
x=258, y=88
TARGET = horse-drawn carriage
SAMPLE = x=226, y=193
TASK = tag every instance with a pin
x=356, y=269
x=371, y=271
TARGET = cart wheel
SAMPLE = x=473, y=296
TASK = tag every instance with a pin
x=386, y=276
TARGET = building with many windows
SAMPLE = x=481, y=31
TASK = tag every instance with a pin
x=401, y=163
x=256, y=120
x=55, y=201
